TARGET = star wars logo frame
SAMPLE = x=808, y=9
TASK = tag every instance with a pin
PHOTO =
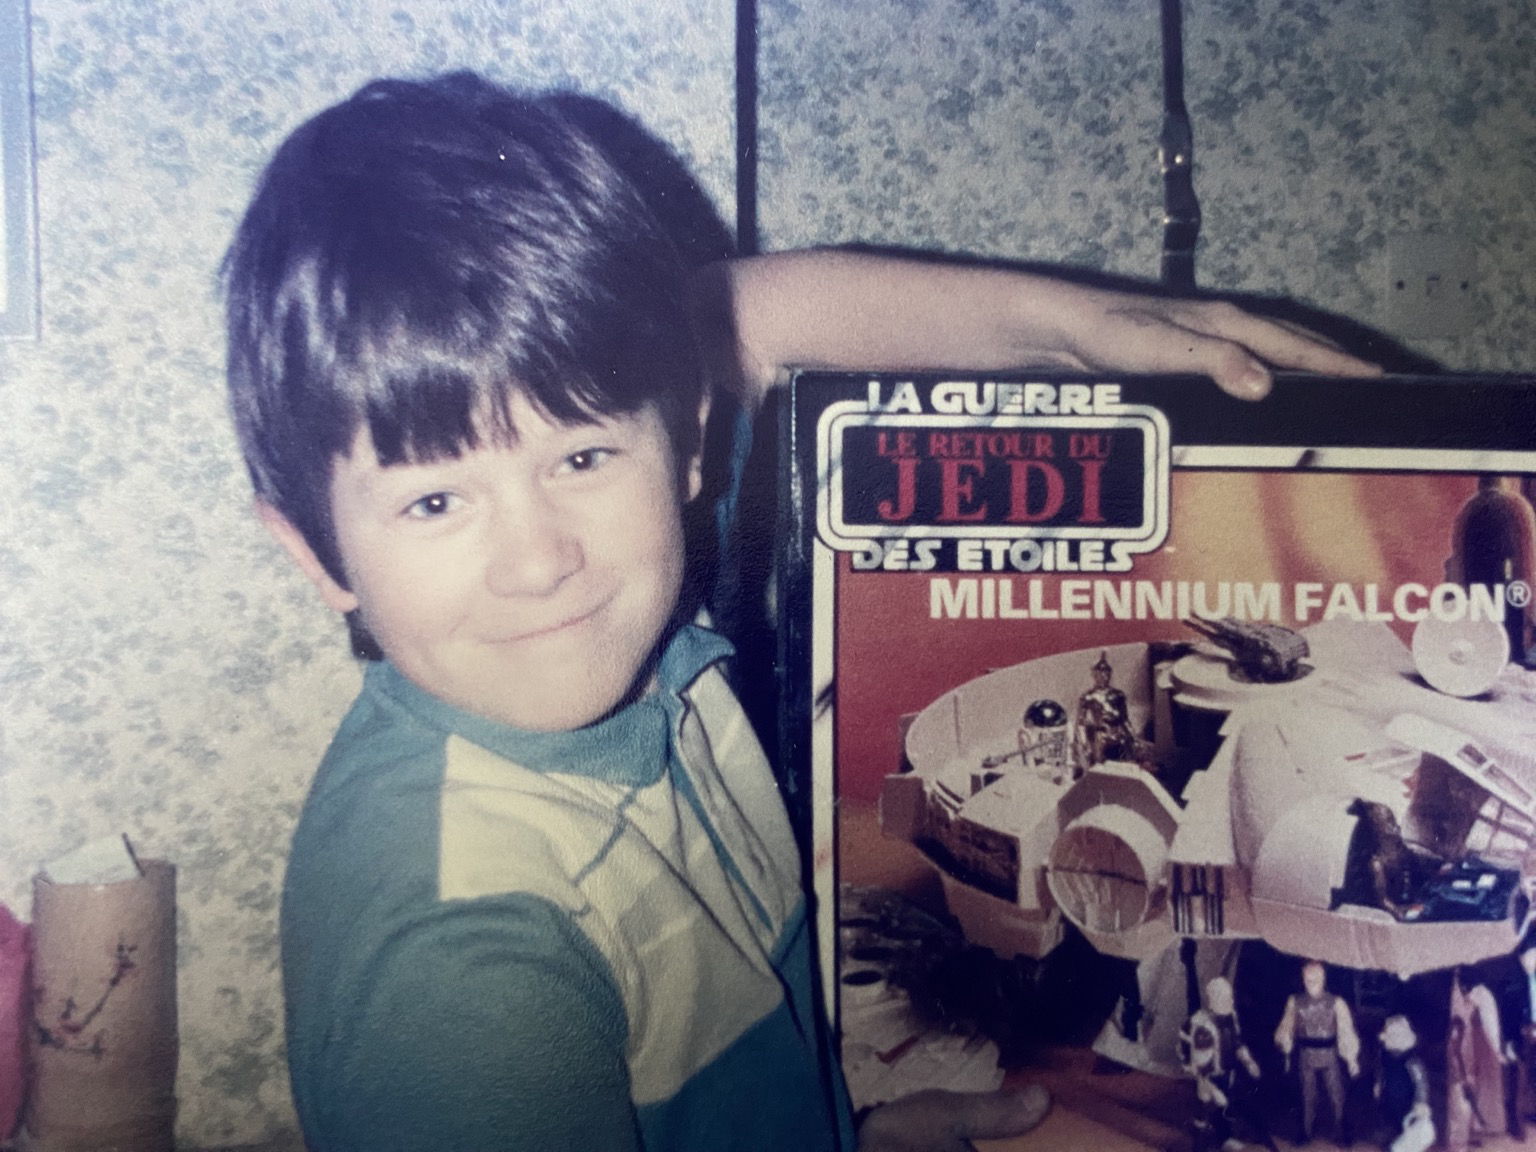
x=963, y=474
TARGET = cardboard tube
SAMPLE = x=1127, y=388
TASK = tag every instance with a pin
x=104, y=1043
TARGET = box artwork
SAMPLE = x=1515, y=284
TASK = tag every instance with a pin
x=1173, y=751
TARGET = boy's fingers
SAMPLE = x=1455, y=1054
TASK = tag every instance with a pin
x=937, y=1121
x=1280, y=343
x=1303, y=331
x=1219, y=340
x=1153, y=337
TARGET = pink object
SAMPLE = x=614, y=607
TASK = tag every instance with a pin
x=15, y=1001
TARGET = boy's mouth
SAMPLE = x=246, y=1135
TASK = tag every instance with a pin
x=560, y=625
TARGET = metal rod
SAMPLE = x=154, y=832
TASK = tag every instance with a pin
x=1176, y=151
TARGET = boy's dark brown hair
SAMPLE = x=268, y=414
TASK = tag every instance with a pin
x=420, y=252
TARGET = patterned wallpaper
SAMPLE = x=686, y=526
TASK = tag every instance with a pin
x=1028, y=130
x=164, y=674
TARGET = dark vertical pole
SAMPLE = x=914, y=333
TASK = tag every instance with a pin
x=1181, y=210
x=746, y=127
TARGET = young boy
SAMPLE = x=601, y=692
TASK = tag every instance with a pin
x=543, y=893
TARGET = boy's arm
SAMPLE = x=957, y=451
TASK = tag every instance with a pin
x=839, y=309
x=491, y=1025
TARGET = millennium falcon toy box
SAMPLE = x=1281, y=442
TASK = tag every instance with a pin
x=1098, y=689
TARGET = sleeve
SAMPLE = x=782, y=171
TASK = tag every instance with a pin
x=1348, y=1038
x=1285, y=1034
x=492, y=1024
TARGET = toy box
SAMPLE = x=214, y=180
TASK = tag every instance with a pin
x=1098, y=690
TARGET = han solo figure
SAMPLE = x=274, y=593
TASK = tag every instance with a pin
x=1319, y=1024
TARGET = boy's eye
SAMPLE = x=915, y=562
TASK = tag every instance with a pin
x=587, y=459
x=432, y=505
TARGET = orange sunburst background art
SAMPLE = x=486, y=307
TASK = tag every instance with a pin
x=1326, y=527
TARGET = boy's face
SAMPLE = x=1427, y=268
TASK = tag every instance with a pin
x=528, y=583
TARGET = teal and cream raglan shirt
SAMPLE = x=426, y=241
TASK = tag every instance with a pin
x=593, y=940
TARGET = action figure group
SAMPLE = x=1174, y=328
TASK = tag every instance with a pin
x=1099, y=731
x=1487, y=1079
x=1490, y=1037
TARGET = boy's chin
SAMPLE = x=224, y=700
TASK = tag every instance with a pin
x=585, y=702
x=567, y=708
x=562, y=689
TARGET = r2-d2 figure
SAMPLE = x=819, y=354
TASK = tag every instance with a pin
x=1043, y=745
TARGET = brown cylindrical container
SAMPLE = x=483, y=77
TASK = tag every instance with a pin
x=1494, y=542
x=104, y=1041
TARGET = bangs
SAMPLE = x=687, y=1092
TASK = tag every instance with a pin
x=419, y=254
x=438, y=383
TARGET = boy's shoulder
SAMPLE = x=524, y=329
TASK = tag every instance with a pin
x=657, y=913
x=399, y=1001
x=393, y=783
x=436, y=798
x=378, y=781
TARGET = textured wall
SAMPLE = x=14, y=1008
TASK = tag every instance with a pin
x=1027, y=129
x=161, y=671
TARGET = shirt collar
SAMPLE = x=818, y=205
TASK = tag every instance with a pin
x=629, y=747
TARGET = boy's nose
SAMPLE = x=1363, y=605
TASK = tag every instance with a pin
x=532, y=551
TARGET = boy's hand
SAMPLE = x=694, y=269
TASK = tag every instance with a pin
x=839, y=309
x=1114, y=330
x=937, y=1121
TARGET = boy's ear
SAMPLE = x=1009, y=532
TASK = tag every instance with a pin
x=695, y=482
x=293, y=542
